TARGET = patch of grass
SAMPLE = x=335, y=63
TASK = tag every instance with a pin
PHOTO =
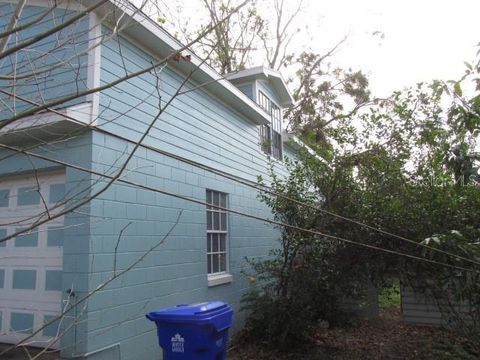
x=389, y=297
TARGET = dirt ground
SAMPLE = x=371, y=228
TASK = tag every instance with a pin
x=23, y=353
x=384, y=338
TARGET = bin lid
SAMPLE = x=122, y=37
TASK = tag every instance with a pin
x=183, y=310
x=199, y=313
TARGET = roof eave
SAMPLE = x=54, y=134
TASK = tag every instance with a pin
x=160, y=43
x=260, y=72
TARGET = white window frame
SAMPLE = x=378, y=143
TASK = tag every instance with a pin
x=274, y=128
x=222, y=276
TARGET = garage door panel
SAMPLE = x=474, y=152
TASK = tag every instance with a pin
x=31, y=263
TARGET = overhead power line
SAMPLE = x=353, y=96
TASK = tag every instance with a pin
x=262, y=188
x=241, y=213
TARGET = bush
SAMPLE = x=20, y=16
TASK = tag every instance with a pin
x=307, y=278
x=389, y=297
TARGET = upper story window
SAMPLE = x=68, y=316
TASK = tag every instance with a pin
x=264, y=102
x=271, y=135
x=265, y=134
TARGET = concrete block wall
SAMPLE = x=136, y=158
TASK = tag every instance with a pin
x=175, y=272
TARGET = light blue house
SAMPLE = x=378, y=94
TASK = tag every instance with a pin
x=233, y=126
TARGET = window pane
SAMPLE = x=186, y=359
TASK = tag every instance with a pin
x=276, y=119
x=55, y=236
x=223, y=241
x=4, y=197
x=277, y=145
x=216, y=263
x=264, y=101
x=215, y=246
x=2, y=278
x=222, y=262
x=209, y=198
x=209, y=220
x=3, y=233
x=24, y=279
x=223, y=221
x=223, y=200
x=216, y=198
x=216, y=221
x=28, y=196
x=265, y=139
x=209, y=243
x=26, y=239
x=21, y=322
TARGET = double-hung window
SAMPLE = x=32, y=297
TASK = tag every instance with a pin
x=271, y=135
x=265, y=133
x=276, y=132
x=217, y=233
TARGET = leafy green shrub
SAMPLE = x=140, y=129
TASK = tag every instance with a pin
x=390, y=297
x=306, y=279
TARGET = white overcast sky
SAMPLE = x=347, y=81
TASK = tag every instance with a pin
x=423, y=39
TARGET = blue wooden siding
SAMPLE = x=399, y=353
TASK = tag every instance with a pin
x=247, y=89
x=68, y=78
x=195, y=125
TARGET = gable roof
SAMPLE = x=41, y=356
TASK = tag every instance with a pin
x=274, y=77
x=149, y=35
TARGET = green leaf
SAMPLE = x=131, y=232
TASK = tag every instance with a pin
x=476, y=104
x=458, y=89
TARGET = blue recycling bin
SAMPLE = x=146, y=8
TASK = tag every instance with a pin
x=193, y=332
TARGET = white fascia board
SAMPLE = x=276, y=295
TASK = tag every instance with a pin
x=94, y=62
x=80, y=114
x=276, y=79
x=251, y=72
x=282, y=90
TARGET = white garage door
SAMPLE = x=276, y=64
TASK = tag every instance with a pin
x=31, y=264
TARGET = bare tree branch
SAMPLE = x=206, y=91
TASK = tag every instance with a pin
x=116, y=247
x=53, y=30
x=155, y=64
x=98, y=288
x=26, y=25
x=13, y=22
